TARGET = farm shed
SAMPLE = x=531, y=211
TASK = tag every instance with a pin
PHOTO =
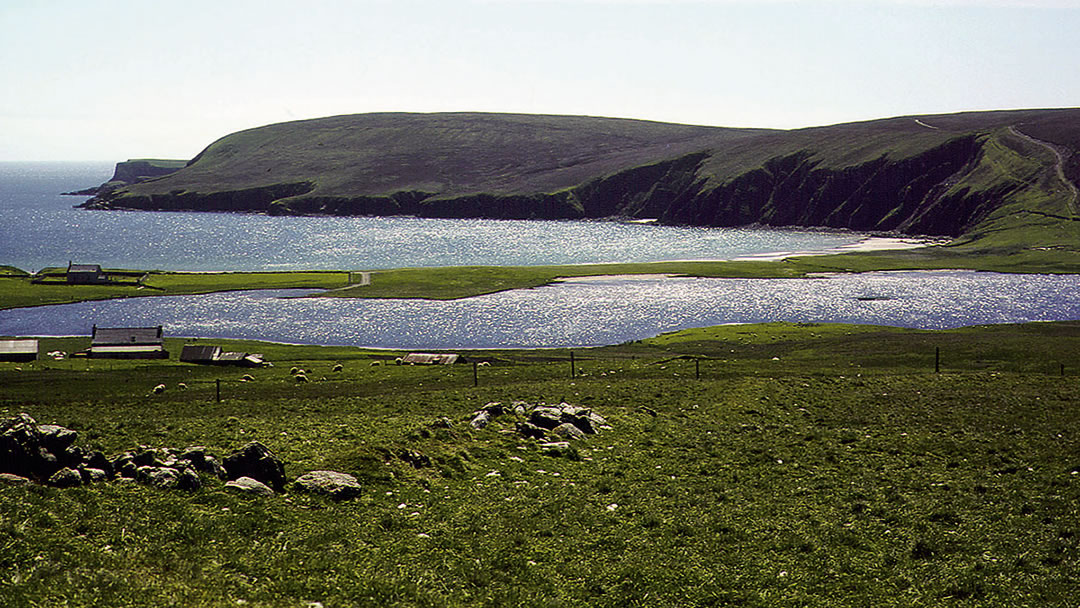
x=128, y=343
x=429, y=359
x=213, y=355
x=18, y=350
x=86, y=274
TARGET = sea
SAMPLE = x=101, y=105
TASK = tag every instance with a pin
x=42, y=228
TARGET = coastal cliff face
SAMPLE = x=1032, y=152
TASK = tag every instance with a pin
x=905, y=181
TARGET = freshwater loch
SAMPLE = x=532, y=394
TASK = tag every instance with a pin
x=42, y=228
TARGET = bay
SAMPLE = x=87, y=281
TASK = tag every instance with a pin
x=41, y=228
x=579, y=312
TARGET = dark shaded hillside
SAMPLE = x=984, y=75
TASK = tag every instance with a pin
x=940, y=175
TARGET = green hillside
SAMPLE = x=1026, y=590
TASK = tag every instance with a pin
x=999, y=179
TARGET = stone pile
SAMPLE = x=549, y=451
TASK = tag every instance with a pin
x=45, y=453
x=542, y=421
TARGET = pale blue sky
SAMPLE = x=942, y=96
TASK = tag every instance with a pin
x=109, y=80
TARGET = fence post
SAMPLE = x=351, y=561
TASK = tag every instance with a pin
x=937, y=359
x=475, y=376
x=218, y=382
x=1062, y=370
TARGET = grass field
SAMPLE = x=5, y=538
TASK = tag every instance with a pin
x=762, y=465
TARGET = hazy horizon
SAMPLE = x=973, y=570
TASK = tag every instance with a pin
x=172, y=81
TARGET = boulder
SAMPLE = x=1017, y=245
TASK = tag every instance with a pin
x=531, y=431
x=21, y=449
x=568, y=432
x=546, y=417
x=189, y=480
x=13, y=480
x=247, y=485
x=97, y=460
x=159, y=477
x=481, y=420
x=55, y=438
x=203, y=462
x=339, y=486
x=66, y=478
x=92, y=475
x=255, y=460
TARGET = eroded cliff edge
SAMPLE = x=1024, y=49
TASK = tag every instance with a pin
x=946, y=175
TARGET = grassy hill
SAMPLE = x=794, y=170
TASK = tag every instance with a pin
x=1000, y=178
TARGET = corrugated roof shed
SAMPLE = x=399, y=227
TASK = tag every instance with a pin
x=195, y=353
x=107, y=336
x=18, y=350
x=429, y=359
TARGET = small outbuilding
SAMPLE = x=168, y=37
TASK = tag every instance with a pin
x=213, y=355
x=429, y=359
x=86, y=274
x=128, y=343
x=18, y=350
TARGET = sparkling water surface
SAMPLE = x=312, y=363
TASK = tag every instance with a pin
x=587, y=312
x=41, y=228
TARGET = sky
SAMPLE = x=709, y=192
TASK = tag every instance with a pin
x=117, y=79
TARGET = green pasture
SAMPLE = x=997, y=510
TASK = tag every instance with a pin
x=758, y=465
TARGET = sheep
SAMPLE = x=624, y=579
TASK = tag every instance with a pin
x=300, y=378
x=182, y=386
x=399, y=360
x=159, y=389
x=376, y=363
x=338, y=367
x=483, y=364
x=294, y=371
x=247, y=378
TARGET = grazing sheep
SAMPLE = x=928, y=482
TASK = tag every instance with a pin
x=483, y=364
x=182, y=386
x=159, y=389
x=294, y=371
x=300, y=378
x=376, y=363
x=338, y=367
x=247, y=378
x=399, y=360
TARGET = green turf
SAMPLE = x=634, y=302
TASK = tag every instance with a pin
x=809, y=465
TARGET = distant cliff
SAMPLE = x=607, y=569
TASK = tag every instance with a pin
x=938, y=175
x=134, y=171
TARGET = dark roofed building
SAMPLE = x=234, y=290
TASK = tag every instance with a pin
x=128, y=343
x=18, y=350
x=86, y=274
x=194, y=353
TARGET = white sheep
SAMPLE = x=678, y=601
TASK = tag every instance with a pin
x=338, y=367
x=483, y=364
x=247, y=378
x=376, y=363
x=301, y=378
x=159, y=389
x=182, y=386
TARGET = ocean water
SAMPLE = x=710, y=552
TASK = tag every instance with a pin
x=578, y=312
x=41, y=228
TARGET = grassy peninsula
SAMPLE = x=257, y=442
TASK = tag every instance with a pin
x=763, y=465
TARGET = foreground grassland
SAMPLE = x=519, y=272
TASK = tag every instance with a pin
x=781, y=465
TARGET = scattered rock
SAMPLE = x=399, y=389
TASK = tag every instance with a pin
x=66, y=478
x=247, y=485
x=531, y=431
x=339, y=486
x=159, y=477
x=481, y=420
x=255, y=460
x=55, y=438
x=568, y=431
x=92, y=475
x=14, y=480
